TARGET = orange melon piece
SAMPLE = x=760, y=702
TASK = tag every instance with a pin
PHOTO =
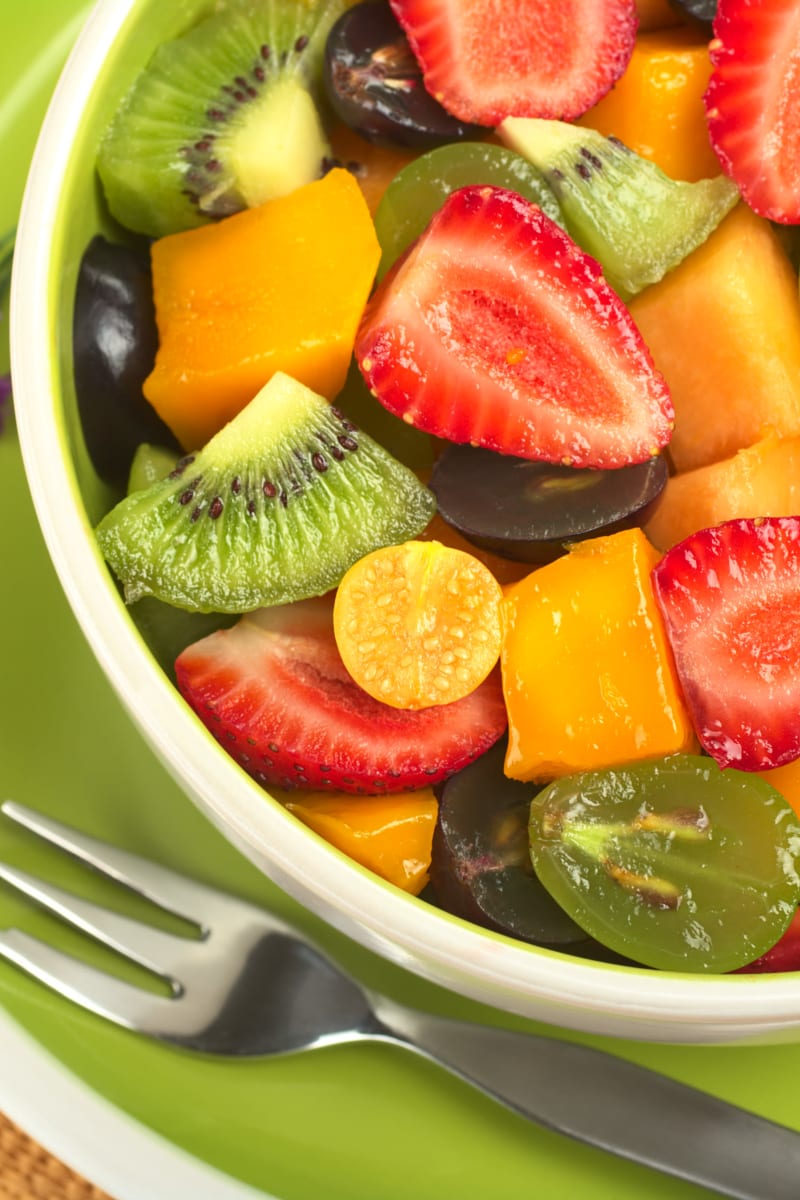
x=786, y=780
x=280, y=287
x=656, y=107
x=374, y=167
x=760, y=481
x=724, y=328
x=588, y=676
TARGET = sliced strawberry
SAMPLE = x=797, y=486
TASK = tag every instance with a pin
x=753, y=102
x=496, y=329
x=274, y=691
x=784, y=955
x=484, y=60
x=730, y=597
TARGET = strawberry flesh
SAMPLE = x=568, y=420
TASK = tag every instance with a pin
x=730, y=598
x=497, y=330
x=484, y=61
x=274, y=691
x=753, y=102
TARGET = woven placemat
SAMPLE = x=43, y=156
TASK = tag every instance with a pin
x=27, y=1172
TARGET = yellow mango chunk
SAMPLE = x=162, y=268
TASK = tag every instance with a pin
x=588, y=676
x=390, y=835
x=280, y=287
x=760, y=481
x=656, y=107
x=724, y=328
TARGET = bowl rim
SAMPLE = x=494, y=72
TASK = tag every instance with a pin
x=440, y=946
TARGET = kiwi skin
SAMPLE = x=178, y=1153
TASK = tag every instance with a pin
x=225, y=117
x=276, y=508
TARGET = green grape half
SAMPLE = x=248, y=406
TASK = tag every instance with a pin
x=421, y=188
x=673, y=863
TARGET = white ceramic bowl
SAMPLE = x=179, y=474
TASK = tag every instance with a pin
x=61, y=212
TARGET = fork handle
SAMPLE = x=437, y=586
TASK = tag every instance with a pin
x=611, y=1103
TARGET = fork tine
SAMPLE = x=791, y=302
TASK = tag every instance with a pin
x=152, y=948
x=184, y=897
x=97, y=991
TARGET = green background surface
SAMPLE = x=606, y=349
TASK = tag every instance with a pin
x=346, y=1123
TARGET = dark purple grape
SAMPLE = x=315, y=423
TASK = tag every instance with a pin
x=375, y=85
x=528, y=511
x=702, y=11
x=114, y=340
x=481, y=868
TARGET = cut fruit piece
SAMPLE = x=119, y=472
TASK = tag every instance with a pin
x=587, y=670
x=418, y=624
x=656, y=108
x=724, y=327
x=150, y=464
x=760, y=481
x=484, y=61
x=417, y=192
x=275, y=508
x=656, y=14
x=730, y=597
x=752, y=102
x=619, y=207
x=481, y=866
x=221, y=119
x=232, y=304
x=505, y=570
x=783, y=956
x=496, y=329
x=374, y=83
x=674, y=863
x=274, y=691
x=534, y=511
x=373, y=167
x=390, y=835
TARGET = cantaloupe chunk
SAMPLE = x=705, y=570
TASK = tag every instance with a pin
x=373, y=166
x=656, y=107
x=724, y=328
x=760, y=481
x=786, y=780
x=280, y=287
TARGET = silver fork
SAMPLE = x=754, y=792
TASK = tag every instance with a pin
x=249, y=984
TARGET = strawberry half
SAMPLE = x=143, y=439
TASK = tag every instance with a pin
x=496, y=329
x=274, y=691
x=484, y=61
x=753, y=102
x=730, y=598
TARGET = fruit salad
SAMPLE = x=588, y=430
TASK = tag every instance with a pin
x=447, y=374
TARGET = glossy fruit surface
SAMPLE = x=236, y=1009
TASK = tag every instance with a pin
x=274, y=691
x=675, y=863
x=752, y=103
x=418, y=191
x=528, y=511
x=486, y=61
x=729, y=597
x=496, y=329
x=418, y=624
x=374, y=83
x=702, y=11
x=481, y=866
x=114, y=342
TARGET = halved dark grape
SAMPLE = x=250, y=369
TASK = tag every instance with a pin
x=529, y=511
x=481, y=867
x=676, y=863
x=114, y=340
x=374, y=83
x=702, y=11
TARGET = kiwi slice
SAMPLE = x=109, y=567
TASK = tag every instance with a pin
x=279, y=504
x=150, y=463
x=223, y=118
x=619, y=207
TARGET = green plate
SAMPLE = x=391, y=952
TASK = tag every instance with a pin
x=345, y=1123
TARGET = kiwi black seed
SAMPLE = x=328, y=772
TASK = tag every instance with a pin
x=278, y=505
x=619, y=207
x=223, y=118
